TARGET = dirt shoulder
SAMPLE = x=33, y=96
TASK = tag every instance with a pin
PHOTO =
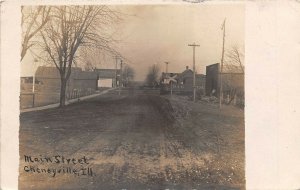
x=217, y=136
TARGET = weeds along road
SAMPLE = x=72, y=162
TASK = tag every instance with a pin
x=126, y=141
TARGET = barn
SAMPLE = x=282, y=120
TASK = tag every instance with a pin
x=232, y=83
x=47, y=90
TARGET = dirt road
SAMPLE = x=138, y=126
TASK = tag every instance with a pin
x=125, y=142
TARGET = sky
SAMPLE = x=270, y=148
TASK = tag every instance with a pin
x=154, y=34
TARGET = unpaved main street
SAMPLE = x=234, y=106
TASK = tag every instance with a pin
x=132, y=142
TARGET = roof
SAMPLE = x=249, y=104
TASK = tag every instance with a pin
x=167, y=75
x=187, y=71
x=227, y=68
x=182, y=75
x=213, y=65
x=107, y=73
x=53, y=73
x=47, y=72
x=200, y=76
x=85, y=75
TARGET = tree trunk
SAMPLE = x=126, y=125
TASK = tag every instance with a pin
x=62, y=99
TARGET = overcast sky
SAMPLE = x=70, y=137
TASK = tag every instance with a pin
x=153, y=34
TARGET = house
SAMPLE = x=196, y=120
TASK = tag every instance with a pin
x=108, y=77
x=184, y=81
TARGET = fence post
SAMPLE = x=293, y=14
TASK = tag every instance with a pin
x=234, y=99
x=33, y=99
x=228, y=98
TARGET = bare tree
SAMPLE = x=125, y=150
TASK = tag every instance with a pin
x=90, y=58
x=233, y=78
x=234, y=59
x=33, y=20
x=128, y=74
x=89, y=66
x=152, y=78
x=72, y=27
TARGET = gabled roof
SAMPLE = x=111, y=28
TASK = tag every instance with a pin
x=85, y=75
x=47, y=72
x=227, y=68
x=167, y=75
x=187, y=71
x=200, y=75
x=107, y=73
x=53, y=73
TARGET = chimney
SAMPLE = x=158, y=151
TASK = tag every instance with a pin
x=187, y=67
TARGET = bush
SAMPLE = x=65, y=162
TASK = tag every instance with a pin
x=199, y=93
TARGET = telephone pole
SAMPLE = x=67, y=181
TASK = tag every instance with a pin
x=116, y=57
x=169, y=77
x=167, y=66
x=221, y=70
x=121, y=73
x=194, y=76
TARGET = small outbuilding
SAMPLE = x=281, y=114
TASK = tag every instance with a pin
x=108, y=77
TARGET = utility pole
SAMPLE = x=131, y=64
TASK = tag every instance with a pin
x=169, y=77
x=121, y=73
x=33, y=82
x=194, y=76
x=167, y=66
x=167, y=63
x=171, y=87
x=120, y=81
x=221, y=70
x=33, y=76
x=116, y=57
